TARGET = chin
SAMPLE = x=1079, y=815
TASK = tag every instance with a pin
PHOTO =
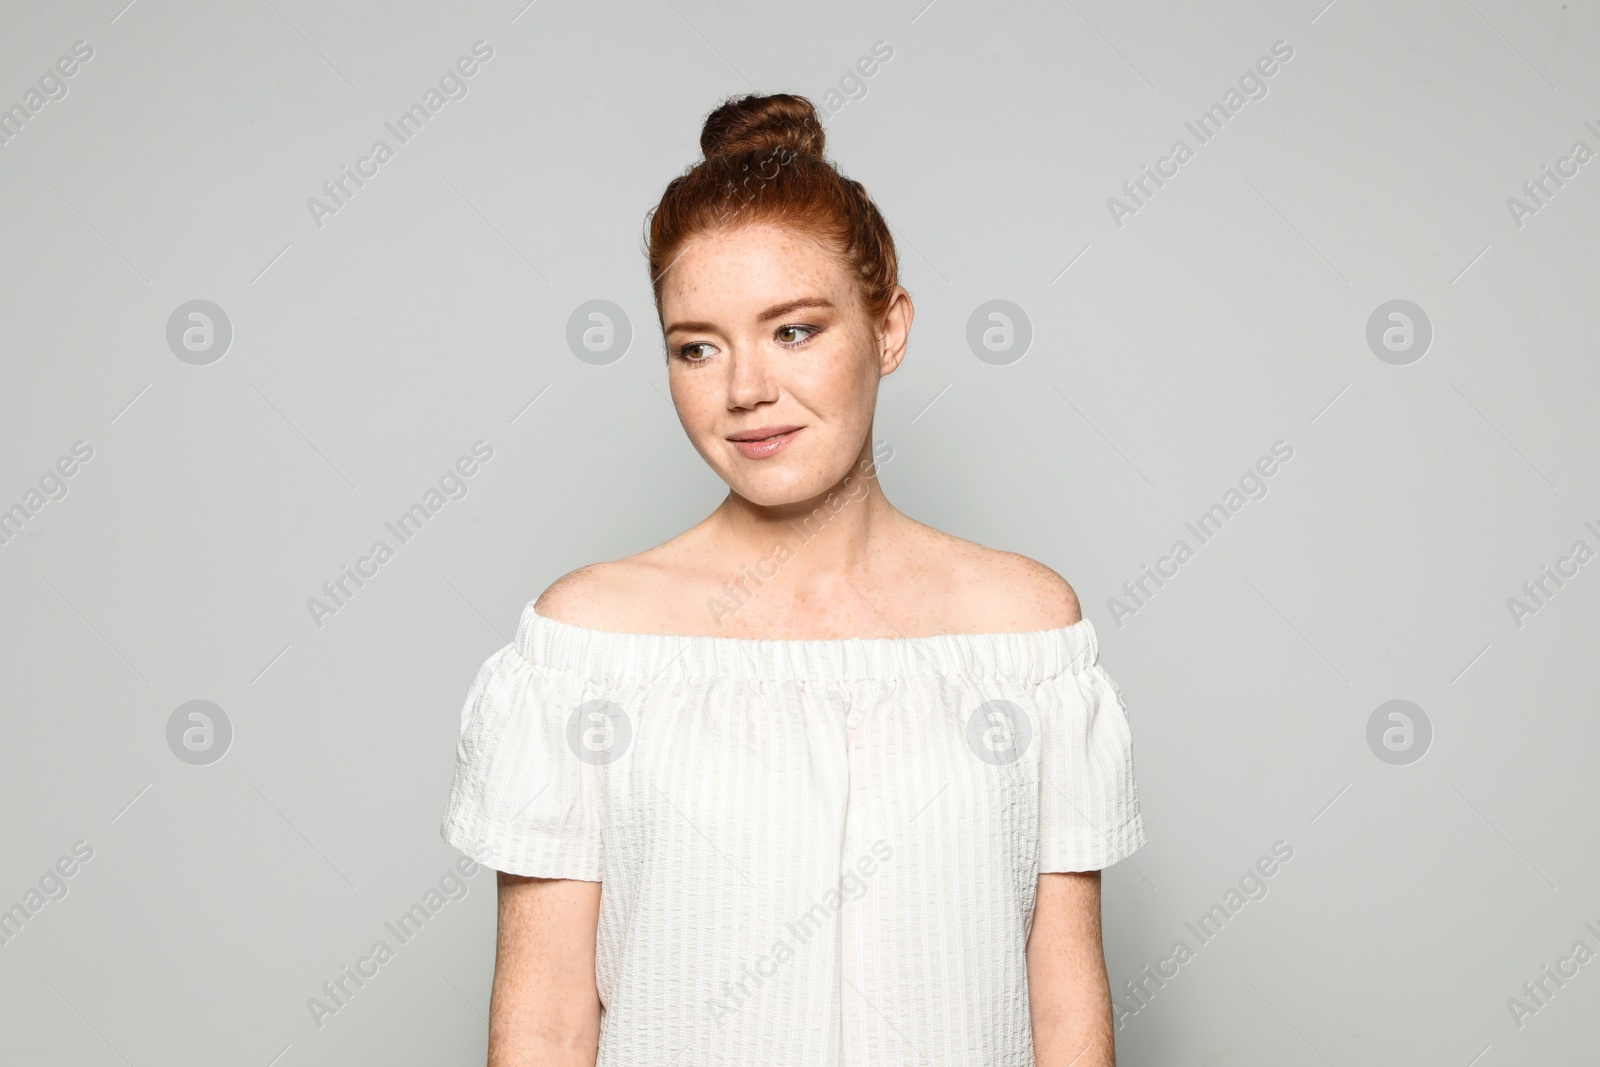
x=775, y=488
x=773, y=496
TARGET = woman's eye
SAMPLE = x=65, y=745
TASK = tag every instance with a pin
x=691, y=353
x=788, y=334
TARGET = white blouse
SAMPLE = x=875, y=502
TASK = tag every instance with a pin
x=812, y=852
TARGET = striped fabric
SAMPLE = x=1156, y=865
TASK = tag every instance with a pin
x=813, y=852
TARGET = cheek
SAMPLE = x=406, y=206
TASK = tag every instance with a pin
x=844, y=381
x=698, y=402
x=688, y=400
x=685, y=389
x=852, y=390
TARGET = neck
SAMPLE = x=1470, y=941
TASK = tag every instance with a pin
x=824, y=538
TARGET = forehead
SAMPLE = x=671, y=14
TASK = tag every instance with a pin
x=755, y=264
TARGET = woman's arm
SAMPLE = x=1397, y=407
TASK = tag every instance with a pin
x=1069, y=996
x=544, y=1009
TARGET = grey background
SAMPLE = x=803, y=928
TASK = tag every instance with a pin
x=1168, y=355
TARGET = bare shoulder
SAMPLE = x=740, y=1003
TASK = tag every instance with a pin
x=571, y=597
x=597, y=597
x=631, y=595
x=998, y=591
x=1024, y=593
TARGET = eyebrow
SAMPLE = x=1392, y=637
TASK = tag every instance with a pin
x=773, y=312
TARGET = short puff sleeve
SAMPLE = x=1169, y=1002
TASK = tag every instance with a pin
x=522, y=801
x=1088, y=797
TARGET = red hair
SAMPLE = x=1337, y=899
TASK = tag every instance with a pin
x=762, y=162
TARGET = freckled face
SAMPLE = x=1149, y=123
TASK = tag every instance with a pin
x=773, y=362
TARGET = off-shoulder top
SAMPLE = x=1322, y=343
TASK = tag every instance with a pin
x=811, y=852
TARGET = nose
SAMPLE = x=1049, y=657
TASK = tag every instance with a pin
x=750, y=380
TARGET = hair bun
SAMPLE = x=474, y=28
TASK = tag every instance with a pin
x=753, y=123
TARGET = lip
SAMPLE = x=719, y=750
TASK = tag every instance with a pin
x=763, y=442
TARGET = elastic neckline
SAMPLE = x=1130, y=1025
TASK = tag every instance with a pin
x=1028, y=657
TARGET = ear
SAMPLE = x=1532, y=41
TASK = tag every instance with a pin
x=894, y=330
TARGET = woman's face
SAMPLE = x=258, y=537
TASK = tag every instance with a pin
x=773, y=362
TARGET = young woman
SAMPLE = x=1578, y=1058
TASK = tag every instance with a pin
x=811, y=783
